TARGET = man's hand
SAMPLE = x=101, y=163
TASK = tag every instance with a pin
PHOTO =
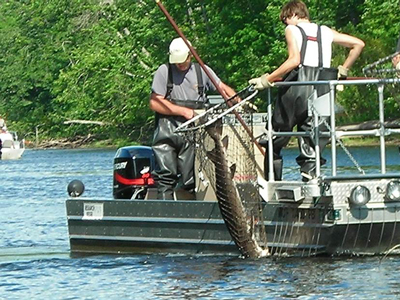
x=247, y=106
x=251, y=106
x=342, y=72
x=261, y=83
x=187, y=113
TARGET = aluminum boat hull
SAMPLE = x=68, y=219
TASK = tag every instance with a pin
x=304, y=228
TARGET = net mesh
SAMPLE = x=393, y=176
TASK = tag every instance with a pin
x=225, y=162
x=384, y=69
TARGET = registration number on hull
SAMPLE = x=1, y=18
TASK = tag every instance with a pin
x=93, y=211
x=295, y=214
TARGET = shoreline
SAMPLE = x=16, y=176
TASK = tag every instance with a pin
x=77, y=142
x=92, y=143
x=92, y=140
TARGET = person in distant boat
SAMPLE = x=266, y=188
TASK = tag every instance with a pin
x=178, y=89
x=309, y=58
x=3, y=127
x=396, y=59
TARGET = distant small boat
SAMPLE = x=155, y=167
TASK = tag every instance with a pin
x=12, y=147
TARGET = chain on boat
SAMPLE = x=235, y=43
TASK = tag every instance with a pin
x=383, y=69
x=225, y=160
x=342, y=145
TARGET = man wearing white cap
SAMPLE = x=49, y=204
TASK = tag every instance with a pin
x=178, y=89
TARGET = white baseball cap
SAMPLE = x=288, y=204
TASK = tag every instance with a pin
x=178, y=51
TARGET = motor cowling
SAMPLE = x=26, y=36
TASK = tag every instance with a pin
x=132, y=172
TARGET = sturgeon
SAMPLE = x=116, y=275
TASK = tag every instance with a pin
x=241, y=225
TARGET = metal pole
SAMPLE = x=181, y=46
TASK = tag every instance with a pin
x=271, y=172
x=333, y=127
x=201, y=63
x=316, y=138
x=382, y=129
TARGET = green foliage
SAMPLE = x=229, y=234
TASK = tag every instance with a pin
x=94, y=59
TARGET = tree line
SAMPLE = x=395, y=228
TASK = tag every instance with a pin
x=93, y=60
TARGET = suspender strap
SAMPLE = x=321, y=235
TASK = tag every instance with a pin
x=303, y=45
x=319, y=40
x=306, y=39
x=170, y=84
x=200, y=85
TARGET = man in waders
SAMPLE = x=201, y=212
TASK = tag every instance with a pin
x=178, y=89
x=309, y=59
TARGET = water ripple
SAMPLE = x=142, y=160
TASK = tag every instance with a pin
x=35, y=262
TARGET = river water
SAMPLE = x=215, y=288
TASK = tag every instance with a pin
x=35, y=262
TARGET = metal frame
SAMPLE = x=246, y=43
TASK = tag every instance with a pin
x=381, y=132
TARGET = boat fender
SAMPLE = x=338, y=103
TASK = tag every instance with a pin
x=75, y=188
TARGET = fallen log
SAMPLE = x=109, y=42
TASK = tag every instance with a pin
x=368, y=125
x=84, y=122
x=74, y=142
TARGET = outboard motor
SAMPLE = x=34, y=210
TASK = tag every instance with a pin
x=132, y=172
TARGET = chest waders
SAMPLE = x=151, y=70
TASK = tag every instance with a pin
x=173, y=153
x=291, y=109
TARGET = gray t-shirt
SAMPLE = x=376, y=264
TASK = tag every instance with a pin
x=184, y=83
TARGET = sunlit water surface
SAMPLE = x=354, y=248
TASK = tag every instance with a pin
x=35, y=262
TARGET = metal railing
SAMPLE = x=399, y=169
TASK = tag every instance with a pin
x=333, y=133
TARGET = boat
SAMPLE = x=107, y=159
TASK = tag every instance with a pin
x=12, y=147
x=332, y=214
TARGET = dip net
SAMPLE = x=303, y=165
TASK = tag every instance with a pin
x=384, y=69
x=227, y=169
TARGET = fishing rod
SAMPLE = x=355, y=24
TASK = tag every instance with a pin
x=202, y=65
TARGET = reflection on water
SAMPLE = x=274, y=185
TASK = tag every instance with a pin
x=35, y=262
x=13, y=254
x=200, y=277
x=367, y=157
